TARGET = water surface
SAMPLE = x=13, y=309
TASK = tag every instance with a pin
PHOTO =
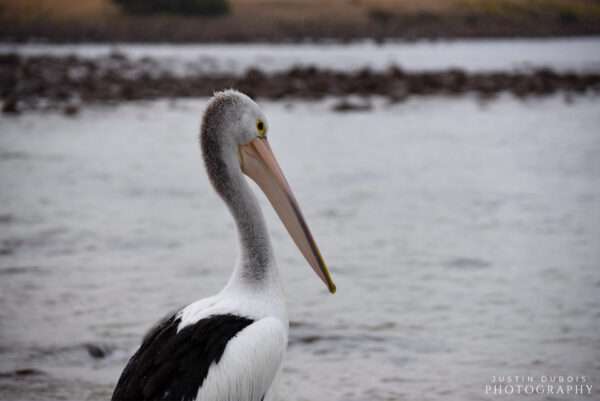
x=463, y=237
x=568, y=54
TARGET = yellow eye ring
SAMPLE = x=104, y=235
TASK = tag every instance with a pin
x=261, y=128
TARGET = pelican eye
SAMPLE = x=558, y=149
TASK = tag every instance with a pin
x=261, y=128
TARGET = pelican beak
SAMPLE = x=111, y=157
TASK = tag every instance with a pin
x=258, y=162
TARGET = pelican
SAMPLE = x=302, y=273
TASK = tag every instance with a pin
x=229, y=347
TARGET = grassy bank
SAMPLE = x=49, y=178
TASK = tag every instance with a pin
x=281, y=20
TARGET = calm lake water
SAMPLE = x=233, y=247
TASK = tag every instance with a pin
x=569, y=54
x=464, y=238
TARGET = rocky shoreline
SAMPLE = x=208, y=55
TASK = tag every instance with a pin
x=67, y=83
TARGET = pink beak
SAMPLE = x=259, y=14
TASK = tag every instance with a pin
x=259, y=163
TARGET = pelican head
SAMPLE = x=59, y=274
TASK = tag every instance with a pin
x=234, y=143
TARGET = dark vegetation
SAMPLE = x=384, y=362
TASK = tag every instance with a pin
x=181, y=7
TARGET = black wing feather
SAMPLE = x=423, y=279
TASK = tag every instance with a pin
x=172, y=366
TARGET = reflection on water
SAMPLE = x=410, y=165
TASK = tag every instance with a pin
x=463, y=238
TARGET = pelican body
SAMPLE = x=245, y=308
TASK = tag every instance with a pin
x=229, y=347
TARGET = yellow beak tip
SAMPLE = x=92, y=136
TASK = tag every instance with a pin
x=332, y=288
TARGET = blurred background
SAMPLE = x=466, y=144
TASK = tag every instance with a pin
x=289, y=20
x=445, y=154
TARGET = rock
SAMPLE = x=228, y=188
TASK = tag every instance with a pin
x=71, y=110
x=346, y=106
x=97, y=351
x=10, y=106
